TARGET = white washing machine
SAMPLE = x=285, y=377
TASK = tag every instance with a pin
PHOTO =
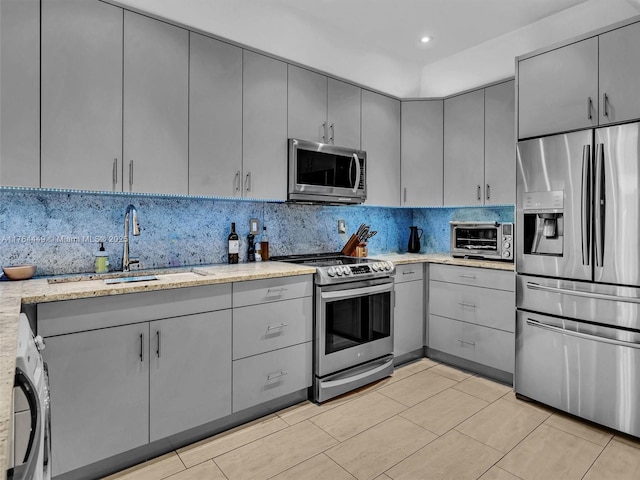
x=31, y=446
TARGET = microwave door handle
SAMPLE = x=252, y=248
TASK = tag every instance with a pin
x=356, y=183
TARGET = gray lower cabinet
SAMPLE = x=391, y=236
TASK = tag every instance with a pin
x=20, y=93
x=408, y=317
x=99, y=384
x=122, y=374
x=272, y=339
x=472, y=317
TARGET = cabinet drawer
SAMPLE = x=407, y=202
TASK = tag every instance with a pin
x=271, y=290
x=410, y=272
x=479, y=277
x=271, y=375
x=482, y=306
x=451, y=336
x=495, y=348
x=69, y=316
x=261, y=328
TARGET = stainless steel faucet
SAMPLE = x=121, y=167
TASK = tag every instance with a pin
x=126, y=260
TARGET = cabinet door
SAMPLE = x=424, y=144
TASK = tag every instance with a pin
x=499, y=144
x=20, y=93
x=422, y=150
x=495, y=348
x=81, y=95
x=558, y=90
x=619, y=72
x=264, y=127
x=99, y=394
x=408, y=319
x=190, y=379
x=215, y=117
x=464, y=149
x=343, y=113
x=307, y=105
x=156, y=85
x=381, y=141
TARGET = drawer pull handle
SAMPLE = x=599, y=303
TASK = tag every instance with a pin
x=465, y=342
x=408, y=273
x=470, y=305
x=275, y=292
x=142, y=347
x=273, y=376
x=473, y=277
x=276, y=327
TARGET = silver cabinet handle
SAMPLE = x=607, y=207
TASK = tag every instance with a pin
x=488, y=191
x=236, y=181
x=142, y=347
x=472, y=277
x=479, y=195
x=405, y=194
x=605, y=104
x=158, y=345
x=408, y=273
x=130, y=175
x=114, y=174
x=324, y=135
x=331, y=138
x=278, y=326
x=275, y=292
x=273, y=376
x=586, y=204
x=597, y=338
x=247, y=182
x=589, y=108
x=464, y=304
x=466, y=342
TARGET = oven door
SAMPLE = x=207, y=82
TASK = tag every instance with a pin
x=354, y=324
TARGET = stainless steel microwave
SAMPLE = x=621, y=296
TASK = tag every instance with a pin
x=482, y=240
x=321, y=173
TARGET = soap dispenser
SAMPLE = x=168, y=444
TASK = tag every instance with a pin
x=102, y=260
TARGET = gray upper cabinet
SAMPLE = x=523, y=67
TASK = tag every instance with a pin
x=215, y=117
x=499, y=144
x=464, y=149
x=619, y=69
x=558, y=90
x=422, y=153
x=344, y=111
x=81, y=95
x=156, y=104
x=381, y=141
x=264, y=127
x=19, y=93
x=307, y=105
x=322, y=109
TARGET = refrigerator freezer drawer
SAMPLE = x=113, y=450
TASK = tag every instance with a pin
x=611, y=305
x=586, y=370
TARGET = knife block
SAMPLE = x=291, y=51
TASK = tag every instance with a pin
x=350, y=247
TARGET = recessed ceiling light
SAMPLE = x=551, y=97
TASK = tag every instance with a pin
x=425, y=39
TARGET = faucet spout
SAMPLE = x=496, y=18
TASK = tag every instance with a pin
x=126, y=259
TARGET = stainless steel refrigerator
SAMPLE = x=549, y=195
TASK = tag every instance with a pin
x=578, y=274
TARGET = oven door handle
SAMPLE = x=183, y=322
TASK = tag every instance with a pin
x=28, y=468
x=358, y=292
x=365, y=374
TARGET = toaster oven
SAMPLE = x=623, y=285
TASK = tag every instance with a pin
x=492, y=241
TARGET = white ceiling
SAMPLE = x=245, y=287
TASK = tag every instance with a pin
x=376, y=42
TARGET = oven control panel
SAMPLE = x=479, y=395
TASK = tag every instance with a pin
x=362, y=269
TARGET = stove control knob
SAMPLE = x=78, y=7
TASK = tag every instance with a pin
x=39, y=342
x=388, y=266
x=375, y=267
x=347, y=270
x=331, y=272
x=339, y=271
x=506, y=245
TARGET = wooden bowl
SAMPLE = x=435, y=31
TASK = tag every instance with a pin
x=19, y=272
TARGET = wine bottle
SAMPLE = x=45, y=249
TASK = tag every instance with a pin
x=233, y=246
x=264, y=244
x=251, y=248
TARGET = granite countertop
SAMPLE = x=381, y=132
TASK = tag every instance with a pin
x=39, y=290
x=445, y=258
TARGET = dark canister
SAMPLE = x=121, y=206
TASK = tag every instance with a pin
x=414, y=240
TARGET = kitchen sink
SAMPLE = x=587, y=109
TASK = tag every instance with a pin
x=139, y=278
x=119, y=277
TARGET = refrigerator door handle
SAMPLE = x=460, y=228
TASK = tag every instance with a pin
x=586, y=204
x=599, y=200
x=580, y=293
x=597, y=338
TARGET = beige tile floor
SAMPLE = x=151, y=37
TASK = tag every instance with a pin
x=426, y=421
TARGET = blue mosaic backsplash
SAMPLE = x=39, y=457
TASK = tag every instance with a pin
x=60, y=232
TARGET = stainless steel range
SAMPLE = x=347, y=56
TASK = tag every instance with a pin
x=353, y=321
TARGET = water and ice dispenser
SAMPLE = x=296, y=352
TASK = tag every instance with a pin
x=543, y=222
